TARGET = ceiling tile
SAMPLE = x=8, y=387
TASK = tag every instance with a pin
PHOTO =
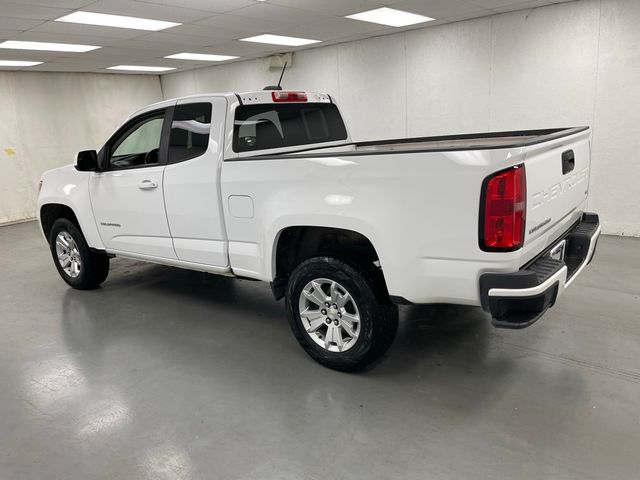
x=7, y=34
x=23, y=10
x=526, y=5
x=10, y=23
x=338, y=8
x=64, y=28
x=495, y=3
x=33, y=36
x=243, y=49
x=277, y=13
x=205, y=31
x=215, y=6
x=331, y=28
x=244, y=26
x=170, y=39
x=64, y=67
x=70, y=4
x=464, y=16
x=32, y=55
x=123, y=53
x=147, y=10
x=438, y=8
x=138, y=48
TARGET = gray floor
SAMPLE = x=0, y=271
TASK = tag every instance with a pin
x=170, y=374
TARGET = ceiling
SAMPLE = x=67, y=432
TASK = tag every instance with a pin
x=209, y=26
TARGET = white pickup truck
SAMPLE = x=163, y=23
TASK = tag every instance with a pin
x=267, y=185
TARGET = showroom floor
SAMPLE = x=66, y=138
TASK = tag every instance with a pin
x=169, y=374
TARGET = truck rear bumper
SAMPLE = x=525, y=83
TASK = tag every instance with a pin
x=516, y=300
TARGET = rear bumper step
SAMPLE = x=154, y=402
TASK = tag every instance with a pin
x=518, y=299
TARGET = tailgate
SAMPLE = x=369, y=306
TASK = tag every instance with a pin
x=557, y=174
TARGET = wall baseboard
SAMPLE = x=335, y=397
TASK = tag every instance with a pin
x=14, y=222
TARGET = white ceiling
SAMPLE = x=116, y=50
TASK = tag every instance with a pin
x=209, y=26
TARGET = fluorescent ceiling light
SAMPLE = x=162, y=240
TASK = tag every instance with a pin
x=50, y=47
x=17, y=63
x=119, y=21
x=140, y=68
x=280, y=40
x=201, y=56
x=390, y=16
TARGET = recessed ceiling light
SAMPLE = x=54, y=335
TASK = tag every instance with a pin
x=50, y=47
x=120, y=21
x=17, y=63
x=280, y=40
x=140, y=68
x=201, y=56
x=390, y=16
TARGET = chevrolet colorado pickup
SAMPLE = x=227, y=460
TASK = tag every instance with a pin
x=267, y=185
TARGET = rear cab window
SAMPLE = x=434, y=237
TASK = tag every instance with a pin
x=265, y=126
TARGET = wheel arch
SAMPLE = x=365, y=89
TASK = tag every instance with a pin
x=295, y=244
x=50, y=212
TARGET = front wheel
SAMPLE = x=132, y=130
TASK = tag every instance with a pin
x=336, y=316
x=76, y=263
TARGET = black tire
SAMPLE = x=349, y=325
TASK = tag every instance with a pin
x=94, y=265
x=378, y=316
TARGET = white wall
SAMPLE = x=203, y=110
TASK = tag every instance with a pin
x=569, y=64
x=45, y=118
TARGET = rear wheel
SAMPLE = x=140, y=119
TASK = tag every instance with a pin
x=336, y=316
x=76, y=263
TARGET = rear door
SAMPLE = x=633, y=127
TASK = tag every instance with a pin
x=192, y=181
x=127, y=197
x=557, y=184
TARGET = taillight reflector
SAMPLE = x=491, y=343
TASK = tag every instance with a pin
x=503, y=214
x=280, y=96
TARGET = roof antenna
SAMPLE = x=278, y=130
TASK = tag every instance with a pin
x=277, y=87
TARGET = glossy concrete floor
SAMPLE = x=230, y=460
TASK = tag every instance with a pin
x=169, y=374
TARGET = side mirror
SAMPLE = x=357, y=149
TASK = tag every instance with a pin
x=87, y=161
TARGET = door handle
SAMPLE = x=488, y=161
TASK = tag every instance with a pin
x=147, y=185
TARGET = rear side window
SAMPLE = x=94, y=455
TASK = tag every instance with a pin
x=189, y=131
x=258, y=127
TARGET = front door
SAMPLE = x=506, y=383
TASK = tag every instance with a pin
x=127, y=195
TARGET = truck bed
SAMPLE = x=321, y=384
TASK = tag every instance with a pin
x=473, y=141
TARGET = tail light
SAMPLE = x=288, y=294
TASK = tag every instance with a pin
x=502, y=213
x=280, y=96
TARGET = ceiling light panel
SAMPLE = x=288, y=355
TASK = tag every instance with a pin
x=203, y=57
x=118, y=21
x=46, y=46
x=140, y=68
x=390, y=16
x=280, y=40
x=18, y=63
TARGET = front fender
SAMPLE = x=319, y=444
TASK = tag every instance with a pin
x=69, y=187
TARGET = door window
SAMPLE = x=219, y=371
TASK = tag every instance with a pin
x=189, y=131
x=139, y=145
